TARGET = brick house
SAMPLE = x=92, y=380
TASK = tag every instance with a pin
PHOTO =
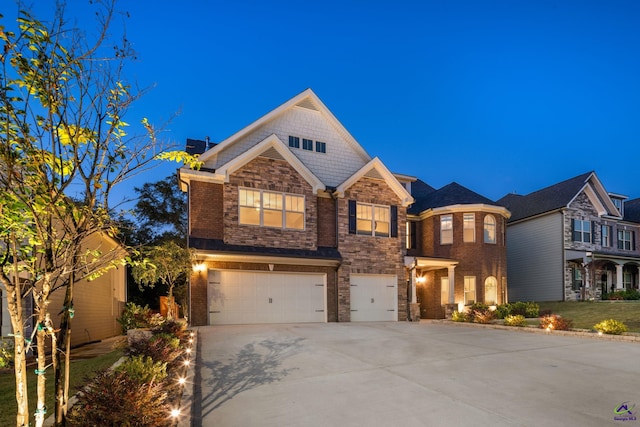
x=293, y=221
x=456, y=249
x=571, y=241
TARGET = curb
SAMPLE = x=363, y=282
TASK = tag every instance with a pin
x=534, y=330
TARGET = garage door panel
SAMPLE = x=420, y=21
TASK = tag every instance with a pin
x=373, y=298
x=239, y=297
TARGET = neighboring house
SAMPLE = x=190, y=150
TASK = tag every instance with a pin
x=97, y=303
x=571, y=241
x=293, y=221
x=457, y=241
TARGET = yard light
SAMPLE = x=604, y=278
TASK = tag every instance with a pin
x=175, y=413
x=182, y=380
x=188, y=351
x=186, y=362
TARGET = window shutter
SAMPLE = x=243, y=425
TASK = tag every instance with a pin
x=593, y=232
x=394, y=221
x=352, y=217
x=633, y=240
x=573, y=230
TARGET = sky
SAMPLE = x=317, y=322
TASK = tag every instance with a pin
x=499, y=96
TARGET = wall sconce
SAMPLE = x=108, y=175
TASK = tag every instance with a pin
x=199, y=267
x=421, y=280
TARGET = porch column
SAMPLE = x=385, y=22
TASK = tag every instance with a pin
x=414, y=298
x=452, y=282
x=619, y=284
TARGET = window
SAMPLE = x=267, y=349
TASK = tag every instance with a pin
x=294, y=142
x=619, y=205
x=411, y=235
x=446, y=229
x=576, y=279
x=581, y=231
x=444, y=290
x=627, y=280
x=373, y=220
x=490, y=290
x=469, y=290
x=626, y=240
x=321, y=147
x=469, y=227
x=271, y=209
x=489, y=229
x=606, y=236
x=307, y=144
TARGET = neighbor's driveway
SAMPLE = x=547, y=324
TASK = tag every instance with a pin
x=409, y=374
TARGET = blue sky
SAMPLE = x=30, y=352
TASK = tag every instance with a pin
x=499, y=96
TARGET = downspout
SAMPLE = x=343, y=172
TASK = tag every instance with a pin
x=564, y=260
x=334, y=197
x=186, y=183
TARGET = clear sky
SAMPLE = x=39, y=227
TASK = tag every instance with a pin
x=499, y=96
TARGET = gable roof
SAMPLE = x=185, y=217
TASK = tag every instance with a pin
x=449, y=195
x=420, y=189
x=377, y=170
x=559, y=196
x=632, y=210
x=306, y=99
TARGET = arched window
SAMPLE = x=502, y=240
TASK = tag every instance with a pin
x=491, y=291
x=489, y=229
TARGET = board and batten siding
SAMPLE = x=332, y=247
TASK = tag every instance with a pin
x=534, y=259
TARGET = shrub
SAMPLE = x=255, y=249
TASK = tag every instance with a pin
x=135, y=316
x=515, y=320
x=160, y=347
x=458, y=316
x=480, y=313
x=143, y=369
x=503, y=310
x=611, y=326
x=614, y=296
x=526, y=309
x=6, y=353
x=115, y=399
x=556, y=322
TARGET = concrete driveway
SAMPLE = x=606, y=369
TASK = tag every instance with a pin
x=411, y=374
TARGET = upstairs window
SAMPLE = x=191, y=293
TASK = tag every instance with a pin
x=321, y=147
x=307, y=144
x=606, y=236
x=368, y=219
x=469, y=227
x=294, y=142
x=626, y=240
x=446, y=229
x=411, y=235
x=489, y=229
x=581, y=231
x=619, y=204
x=271, y=209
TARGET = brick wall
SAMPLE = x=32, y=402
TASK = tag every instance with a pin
x=326, y=222
x=367, y=254
x=206, y=214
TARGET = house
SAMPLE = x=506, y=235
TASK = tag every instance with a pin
x=457, y=243
x=571, y=241
x=97, y=303
x=292, y=220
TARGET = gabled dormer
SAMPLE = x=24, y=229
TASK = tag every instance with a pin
x=618, y=201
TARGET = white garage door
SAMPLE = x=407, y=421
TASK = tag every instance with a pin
x=246, y=297
x=374, y=297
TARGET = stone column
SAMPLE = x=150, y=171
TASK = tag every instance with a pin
x=619, y=284
x=452, y=282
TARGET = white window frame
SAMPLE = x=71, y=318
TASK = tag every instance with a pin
x=491, y=290
x=579, y=230
x=624, y=243
x=469, y=290
x=469, y=228
x=374, y=219
x=605, y=233
x=282, y=200
x=490, y=227
x=446, y=229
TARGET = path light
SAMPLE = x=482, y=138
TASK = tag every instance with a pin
x=187, y=362
x=182, y=380
x=175, y=413
x=188, y=351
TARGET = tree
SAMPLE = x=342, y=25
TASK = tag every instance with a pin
x=64, y=148
x=167, y=263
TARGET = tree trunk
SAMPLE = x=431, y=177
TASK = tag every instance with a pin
x=14, y=305
x=62, y=383
x=43, y=328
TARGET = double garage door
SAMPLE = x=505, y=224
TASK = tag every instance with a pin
x=246, y=297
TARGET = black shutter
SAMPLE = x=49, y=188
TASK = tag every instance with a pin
x=593, y=232
x=352, y=217
x=573, y=230
x=394, y=221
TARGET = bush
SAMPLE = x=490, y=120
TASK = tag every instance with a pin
x=631, y=294
x=458, y=316
x=115, y=399
x=480, y=313
x=135, y=316
x=555, y=322
x=503, y=310
x=6, y=353
x=143, y=369
x=611, y=326
x=526, y=309
x=515, y=320
x=160, y=347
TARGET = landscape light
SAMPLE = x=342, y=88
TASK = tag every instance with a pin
x=175, y=413
x=182, y=380
x=187, y=362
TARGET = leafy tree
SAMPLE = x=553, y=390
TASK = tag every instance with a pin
x=64, y=147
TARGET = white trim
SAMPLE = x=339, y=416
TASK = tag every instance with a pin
x=478, y=207
x=389, y=178
x=307, y=94
x=265, y=259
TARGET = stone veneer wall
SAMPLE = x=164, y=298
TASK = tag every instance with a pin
x=368, y=254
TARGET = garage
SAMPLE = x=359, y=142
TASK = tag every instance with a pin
x=248, y=297
x=374, y=297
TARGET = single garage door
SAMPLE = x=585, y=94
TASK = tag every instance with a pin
x=374, y=297
x=247, y=297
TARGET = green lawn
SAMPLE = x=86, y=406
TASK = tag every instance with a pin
x=80, y=369
x=587, y=314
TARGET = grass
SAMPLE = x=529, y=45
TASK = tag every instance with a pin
x=80, y=370
x=587, y=314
